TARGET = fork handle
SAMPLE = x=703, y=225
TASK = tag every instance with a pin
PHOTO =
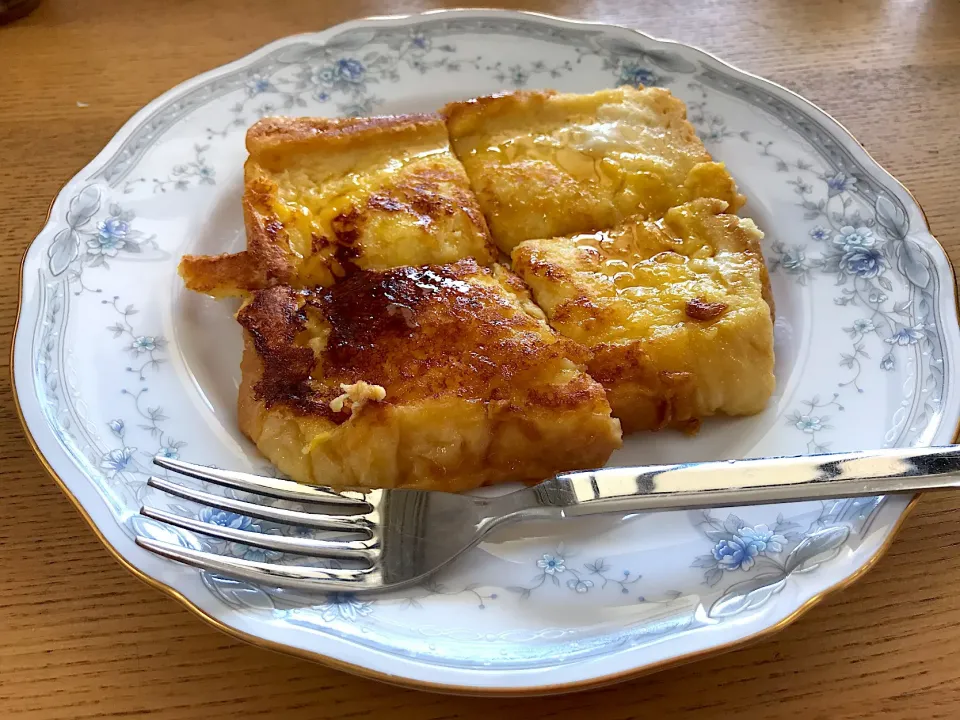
x=745, y=482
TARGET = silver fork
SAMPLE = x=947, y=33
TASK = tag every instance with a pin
x=399, y=537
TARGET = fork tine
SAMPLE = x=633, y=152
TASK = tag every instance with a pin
x=359, y=549
x=268, y=573
x=272, y=487
x=344, y=523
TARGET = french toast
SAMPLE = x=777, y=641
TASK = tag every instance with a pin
x=545, y=164
x=676, y=313
x=441, y=377
x=324, y=197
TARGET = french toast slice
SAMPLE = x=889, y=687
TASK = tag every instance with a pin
x=676, y=312
x=442, y=377
x=323, y=197
x=545, y=164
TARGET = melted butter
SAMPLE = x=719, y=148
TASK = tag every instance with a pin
x=655, y=284
x=615, y=265
x=601, y=137
x=432, y=282
x=626, y=151
x=307, y=207
x=429, y=152
x=624, y=280
x=620, y=162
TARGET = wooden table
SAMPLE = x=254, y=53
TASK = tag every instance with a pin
x=81, y=638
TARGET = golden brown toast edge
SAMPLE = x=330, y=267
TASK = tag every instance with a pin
x=268, y=142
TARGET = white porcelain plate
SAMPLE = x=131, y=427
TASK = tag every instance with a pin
x=115, y=362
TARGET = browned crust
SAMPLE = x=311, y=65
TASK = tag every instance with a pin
x=273, y=319
x=644, y=392
x=642, y=396
x=461, y=116
x=428, y=332
x=226, y=275
x=250, y=412
x=755, y=248
x=267, y=239
x=427, y=193
x=478, y=387
x=504, y=439
x=566, y=202
x=536, y=106
x=420, y=195
x=262, y=264
x=700, y=309
x=433, y=331
x=741, y=240
x=285, y=134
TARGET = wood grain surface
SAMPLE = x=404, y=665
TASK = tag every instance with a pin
x=82, y=638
